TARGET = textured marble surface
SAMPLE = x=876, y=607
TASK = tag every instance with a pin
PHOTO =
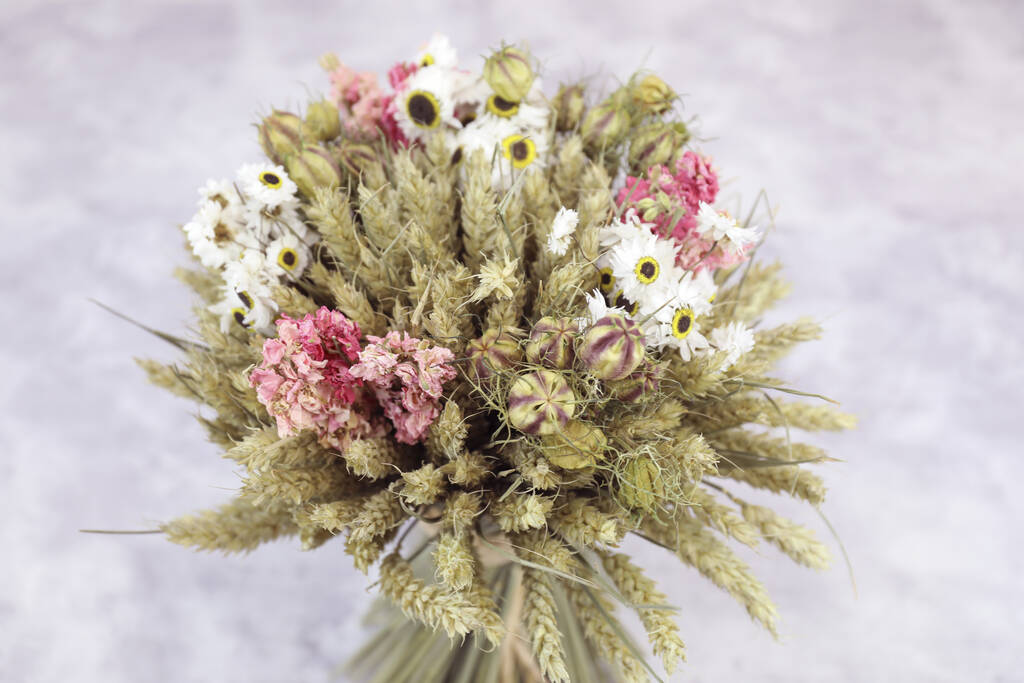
x=887, y=133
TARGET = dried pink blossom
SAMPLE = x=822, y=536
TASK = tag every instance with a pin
x=360, y=100
x=306, y=383
x=407, y=376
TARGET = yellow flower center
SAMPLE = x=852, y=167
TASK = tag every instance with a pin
x=502, y=107
x=647, y=270
x=521, y=151
x=607, y=280
x=427, y=60
x=423, y=109
x=271, y=180
x=682, y=323
x=287, y=258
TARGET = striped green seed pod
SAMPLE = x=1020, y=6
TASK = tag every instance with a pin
x=540, y=403
x=551, y=342
x=313, y=167
x=282, y=135
x=493, y=352
x=612, y=348
x=509, y=73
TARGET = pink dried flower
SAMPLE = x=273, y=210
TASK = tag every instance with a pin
x=360, y=100
x=407, y=376
x=306, y=383
x=400, y=72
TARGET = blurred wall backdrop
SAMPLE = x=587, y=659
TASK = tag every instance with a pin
x=888, y=135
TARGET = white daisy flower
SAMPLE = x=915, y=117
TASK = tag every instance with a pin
x=268, y=224
x=287, y=256
x=644, y=269
x=231, y=312
x=511, y=150
x=221, y=191
x=216, y=235
x=426, y=102
x=619, y=229
x=562, y=229
x=243, y=310
x=266, y=184
x=484, y=135
x=261, y=317
x=678, y=329
x=437, y=52
x=520, y=152
x=724, y=229
x=735, y=339
x=704, y=282
x=249, y=274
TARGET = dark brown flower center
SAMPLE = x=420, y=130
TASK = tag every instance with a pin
x=648, y=269
x=683, y=324
x=503, y=104
x=421, y=110
x=520, y=150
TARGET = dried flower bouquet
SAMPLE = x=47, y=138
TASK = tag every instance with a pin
x=521, y=323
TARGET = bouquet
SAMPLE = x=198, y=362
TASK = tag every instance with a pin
x=479, y=333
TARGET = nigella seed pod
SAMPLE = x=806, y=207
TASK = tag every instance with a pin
x=323, y=121
x=509, y=73
x=575, y=446
x=551, y=342
x=640, y=484
x=612, y=347
x=657, y=143
x=313, y=167
x=493, y=352
x=652, y=95
x=540, y=403
x=355, y=156
x=645, y=380
x=569, y=106
x=605, y=126
x=282, y=134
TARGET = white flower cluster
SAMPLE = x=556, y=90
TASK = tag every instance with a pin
x=724, y=230
x=252, y=232
x=641, y=280
x=442, y=99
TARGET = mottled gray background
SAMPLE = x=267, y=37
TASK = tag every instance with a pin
x=887, y=133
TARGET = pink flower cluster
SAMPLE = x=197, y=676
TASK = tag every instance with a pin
x=693, y=181
x=366, y=109
x=306, y=382
x=407, y=376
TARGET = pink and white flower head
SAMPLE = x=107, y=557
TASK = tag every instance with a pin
x=305, y=380
x=407, y=377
